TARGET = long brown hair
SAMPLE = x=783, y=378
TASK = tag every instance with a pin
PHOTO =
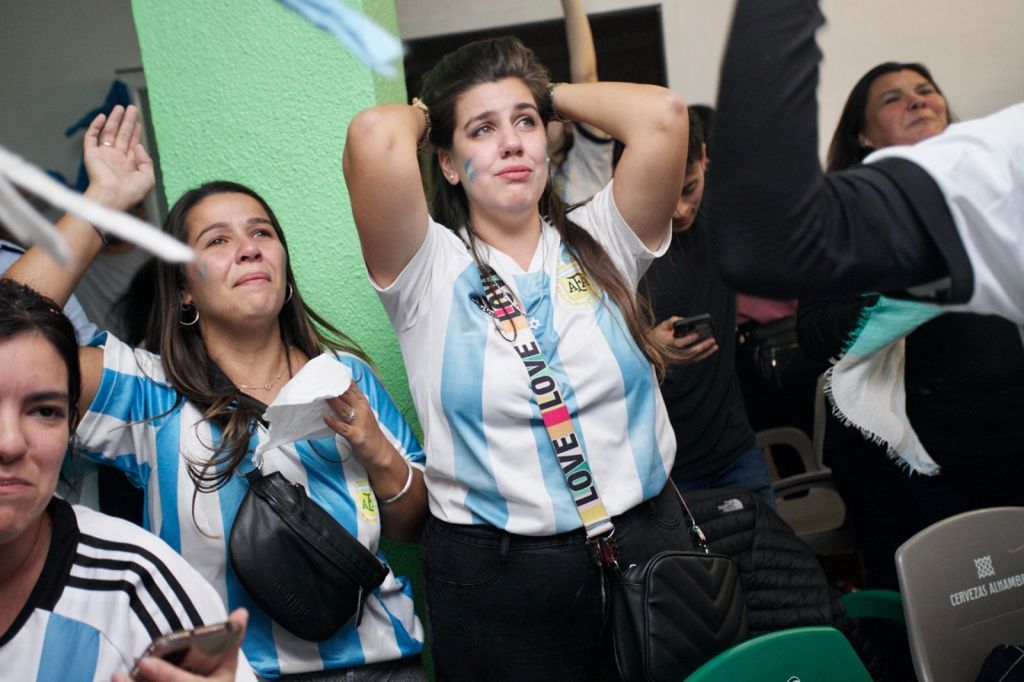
x=188, y=365
x=489, y=61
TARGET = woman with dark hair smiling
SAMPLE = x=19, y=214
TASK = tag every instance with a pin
x=953, y=399
x=940, y=220
x=228, y=333
x=893, y=103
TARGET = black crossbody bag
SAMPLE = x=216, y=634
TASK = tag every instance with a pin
x=680, y=607
x=296, y=562
x=294, y=559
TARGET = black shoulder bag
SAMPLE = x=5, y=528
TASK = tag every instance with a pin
x=296, y=562
x=680, y=607
x=292, y=558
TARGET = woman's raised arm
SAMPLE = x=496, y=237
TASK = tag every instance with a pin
x=385, y=187
x=120, y=176
x=651, y=122
x=582, y=54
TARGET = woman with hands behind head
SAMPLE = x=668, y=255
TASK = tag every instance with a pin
x=505, y=549
x=59, y=619
x=229, y=331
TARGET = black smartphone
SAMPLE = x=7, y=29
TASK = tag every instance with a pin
x=198, y=651
x=701, y=324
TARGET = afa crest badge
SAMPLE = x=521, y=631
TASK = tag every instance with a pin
x=574, y=287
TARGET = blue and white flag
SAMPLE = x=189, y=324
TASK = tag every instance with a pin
x=374, y=46
x=29, y=227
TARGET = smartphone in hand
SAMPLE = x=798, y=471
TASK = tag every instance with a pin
x=701, y=324
x=198, y=651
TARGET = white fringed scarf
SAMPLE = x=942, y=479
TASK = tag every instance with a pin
x=866, y=385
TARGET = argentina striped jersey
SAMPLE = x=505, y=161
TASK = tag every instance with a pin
x=134, y=425
x=490, y=458
x=107, y=589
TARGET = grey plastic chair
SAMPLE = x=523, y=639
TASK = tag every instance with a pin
x=808, y=501
x=962, y=582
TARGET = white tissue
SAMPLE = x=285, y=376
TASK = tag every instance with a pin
x=297, y=412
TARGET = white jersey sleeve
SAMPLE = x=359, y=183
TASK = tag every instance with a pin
x=979, y=166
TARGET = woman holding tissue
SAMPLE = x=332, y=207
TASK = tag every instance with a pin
x=512, y=590
x=232, y=331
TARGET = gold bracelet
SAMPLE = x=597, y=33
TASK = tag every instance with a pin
x=425, y=137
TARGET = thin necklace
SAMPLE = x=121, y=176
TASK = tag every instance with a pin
x=267, y=387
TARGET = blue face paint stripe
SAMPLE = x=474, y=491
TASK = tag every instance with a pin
x=468, y=169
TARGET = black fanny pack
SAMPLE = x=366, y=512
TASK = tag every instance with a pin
x=296, y=562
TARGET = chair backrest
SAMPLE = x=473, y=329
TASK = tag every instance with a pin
x=818, y=427
x=962, y=582
x=808, y=654
x=808, y=501
x=785, y=441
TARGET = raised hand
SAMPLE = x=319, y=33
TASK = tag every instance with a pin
x=120, y=170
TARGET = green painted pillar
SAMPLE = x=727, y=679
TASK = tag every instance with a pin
x=247, y=90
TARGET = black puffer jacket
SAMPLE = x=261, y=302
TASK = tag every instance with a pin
x=783, y=584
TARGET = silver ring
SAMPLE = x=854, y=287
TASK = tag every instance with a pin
x=107, y=144
x=350, y=417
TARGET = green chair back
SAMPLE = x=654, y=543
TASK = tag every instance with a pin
x=810, y=654
x=885, y=604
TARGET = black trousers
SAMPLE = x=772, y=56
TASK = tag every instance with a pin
x=511, y=607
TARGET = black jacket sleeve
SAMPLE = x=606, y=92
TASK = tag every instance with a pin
x=824, y=325
x=785, y=228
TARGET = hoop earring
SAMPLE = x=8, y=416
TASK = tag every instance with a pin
x=291, y=290
x=184, y=309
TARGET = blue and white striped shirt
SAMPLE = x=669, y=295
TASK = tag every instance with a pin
x=107, y=589
x=135, y=425
x=491, y=460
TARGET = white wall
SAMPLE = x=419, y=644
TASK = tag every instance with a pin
x=974, y=50
x=58, y=59
x=59, y=56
